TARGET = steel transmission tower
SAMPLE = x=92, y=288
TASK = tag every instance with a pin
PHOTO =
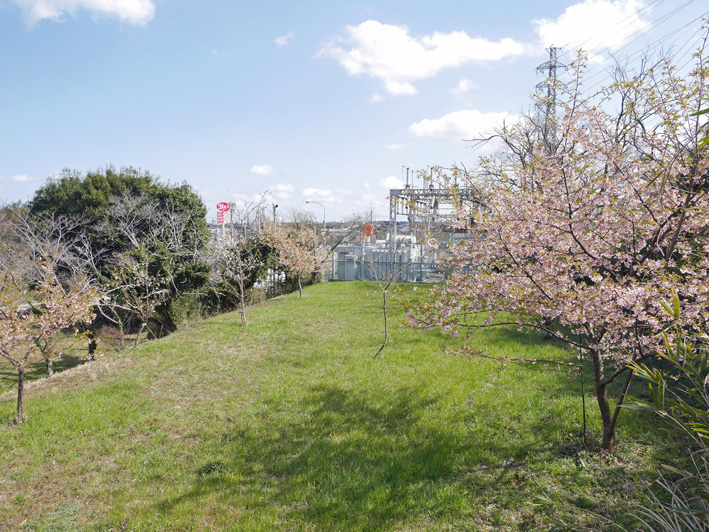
x=549, y=109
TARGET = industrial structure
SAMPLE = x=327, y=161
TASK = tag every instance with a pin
x=431, y=205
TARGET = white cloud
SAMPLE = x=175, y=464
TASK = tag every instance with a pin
x=264, y=170
x=592, y=24
x=376, y=98
x=391, y=182
x=459, y=124
x=138, y=12
x=22, y=178
x=283, y=40
x=318, y=193
x=464, y=85
x=367, y=186
x=389, y=53
x=217, y=53
x=283, y=192
x=394, y=147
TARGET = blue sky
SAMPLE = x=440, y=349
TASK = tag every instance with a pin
x=316, y=100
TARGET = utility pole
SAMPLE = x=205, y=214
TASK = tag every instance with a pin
x=550, y=67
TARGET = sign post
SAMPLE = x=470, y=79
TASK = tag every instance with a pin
x=222, y=208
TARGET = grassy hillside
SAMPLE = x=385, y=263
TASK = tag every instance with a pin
x=290, y=424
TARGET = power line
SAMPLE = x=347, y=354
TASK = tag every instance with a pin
x=649, y=48
x=631, y=18
x=638, y=34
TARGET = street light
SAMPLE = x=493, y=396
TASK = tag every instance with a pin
x=324, y=227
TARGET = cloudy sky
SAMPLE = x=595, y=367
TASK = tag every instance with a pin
x=318, y=100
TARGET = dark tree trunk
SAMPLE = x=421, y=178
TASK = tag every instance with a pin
x=20, y=391
x=92, y=347
x=603, y=404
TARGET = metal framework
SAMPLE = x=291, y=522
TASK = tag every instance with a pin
x=426, y=203
x=549, y=68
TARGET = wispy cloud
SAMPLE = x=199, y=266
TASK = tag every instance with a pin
x=394, y=147
x=464, y=85
x=283, y=191
x=459, y=124
x=322, y=194
x=22, y=178
x=138, y=12
x=284, y=40
x=391, y=182
x=263, y=170
x=218, y=53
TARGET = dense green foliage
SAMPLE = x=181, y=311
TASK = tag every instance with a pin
x=88, y=196
x=144, y=237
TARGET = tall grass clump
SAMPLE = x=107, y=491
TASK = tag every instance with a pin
x=680, y=395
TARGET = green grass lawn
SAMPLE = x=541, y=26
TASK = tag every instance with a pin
x=291, y=424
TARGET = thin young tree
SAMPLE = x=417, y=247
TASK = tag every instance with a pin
x=398, y=259
x=296, y=247
x=238, y=261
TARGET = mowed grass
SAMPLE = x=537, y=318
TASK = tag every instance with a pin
x=291, y=424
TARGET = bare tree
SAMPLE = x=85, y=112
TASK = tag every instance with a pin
x=238, y=261
x=30, y=245
x=148, y=271
x=386, y=273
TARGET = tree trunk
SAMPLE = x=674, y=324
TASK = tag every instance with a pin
x=242, y=298
x=300, y=288
x=386, y=327
x=20, y=391
x=120, y=328
x=603, y=404
x=137, y=336
x=243, y=310
x=50, y=368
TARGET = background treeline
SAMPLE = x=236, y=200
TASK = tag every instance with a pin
x=145, y=243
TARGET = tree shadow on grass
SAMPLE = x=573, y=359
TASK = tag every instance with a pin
x=35, y=371
x=338, y=461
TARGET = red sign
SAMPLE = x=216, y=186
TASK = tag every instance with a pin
x=220, y=217
x=222, y=207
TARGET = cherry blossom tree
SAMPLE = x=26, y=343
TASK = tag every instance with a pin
x=50, y=307
x=584, y=241
x=297, y=249
x=57, y=241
